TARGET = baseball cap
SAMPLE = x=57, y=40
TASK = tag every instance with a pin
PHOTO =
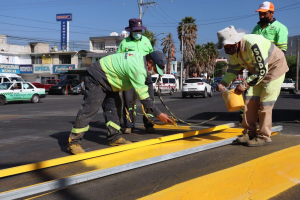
x=160, y=60
x=265, y=6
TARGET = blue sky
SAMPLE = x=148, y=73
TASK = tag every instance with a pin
x=32, y=20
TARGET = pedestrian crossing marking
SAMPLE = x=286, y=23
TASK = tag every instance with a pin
x=261, y=178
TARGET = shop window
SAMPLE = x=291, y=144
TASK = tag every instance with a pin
x=98, y=46
x=64, y=59
x=36, y=59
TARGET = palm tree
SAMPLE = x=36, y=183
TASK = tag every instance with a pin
x=205, y=58
x=187, y=31
x=151, y=36
x=168, y=47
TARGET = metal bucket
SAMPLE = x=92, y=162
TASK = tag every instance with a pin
x=233, y=101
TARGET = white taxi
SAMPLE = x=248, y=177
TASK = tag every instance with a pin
x=20, y=91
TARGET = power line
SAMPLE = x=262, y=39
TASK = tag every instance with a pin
x=155, y=17
x=53, y=4
x=161, y=15
x=166, y=14
x=52, y=23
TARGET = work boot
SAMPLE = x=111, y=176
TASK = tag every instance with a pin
x=258, y=142
x=75, y=149
x=150, y=129
x=120, y=141
x=242, y=139
x=127, y=130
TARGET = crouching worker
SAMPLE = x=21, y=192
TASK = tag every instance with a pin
x=267, y=66
x=104, y=80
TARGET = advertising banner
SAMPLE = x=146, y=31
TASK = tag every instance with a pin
x=9, y=68
x=26, y=69
x=42, y=69
x=57, y=69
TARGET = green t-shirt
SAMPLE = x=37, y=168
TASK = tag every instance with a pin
x=142, y=46
x=276, y=32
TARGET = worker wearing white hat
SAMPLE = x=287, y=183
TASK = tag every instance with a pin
x=268, y=66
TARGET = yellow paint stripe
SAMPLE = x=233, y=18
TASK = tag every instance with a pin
x=172, y=127
x=74, y=158
x=151, y=151
x=262, y=178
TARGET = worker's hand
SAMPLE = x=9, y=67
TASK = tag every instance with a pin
x=239, y=89
x=221, y=88
x=163, y=117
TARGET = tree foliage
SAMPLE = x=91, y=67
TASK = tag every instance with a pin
x=151, y=36
x=187, y=31
x=167, y=49
x=220, y=69
x=204, y=59
x=292, y=63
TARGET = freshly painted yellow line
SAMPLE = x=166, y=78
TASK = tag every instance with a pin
x=97, y=153
x=172, y=127
x=262, y=178
x=150, y=151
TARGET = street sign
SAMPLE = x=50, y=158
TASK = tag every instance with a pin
x=64, y=35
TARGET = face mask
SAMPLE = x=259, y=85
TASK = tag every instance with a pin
x=264, y=20
x=231, y=50
x=137, y=35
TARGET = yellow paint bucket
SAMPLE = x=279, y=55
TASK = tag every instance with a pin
x=233, y=101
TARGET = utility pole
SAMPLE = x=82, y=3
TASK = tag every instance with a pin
x=297, y=65
x=147, y=4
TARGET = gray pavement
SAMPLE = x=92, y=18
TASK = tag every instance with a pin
x=35, y=132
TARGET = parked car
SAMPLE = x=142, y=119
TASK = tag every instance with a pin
x=64, y=86
x=167, y=83
x=288, y=85
x=9, y=77
x=20, y=91
x=196, y=86
x=77, y=90
x=213, y=85
x=47, y=85
x=217, y=80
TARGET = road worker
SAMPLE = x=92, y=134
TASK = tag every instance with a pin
x=268, y=66
x=271, y=29
x=136, y=42
x=104, y=80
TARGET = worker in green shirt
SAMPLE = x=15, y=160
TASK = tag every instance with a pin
x=135, y=42
x=270, y=28
x=104, y=80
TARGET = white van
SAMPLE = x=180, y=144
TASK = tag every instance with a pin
x=7, y=77
x=167, y=83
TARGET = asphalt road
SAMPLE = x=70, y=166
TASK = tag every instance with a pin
x=31, y=133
